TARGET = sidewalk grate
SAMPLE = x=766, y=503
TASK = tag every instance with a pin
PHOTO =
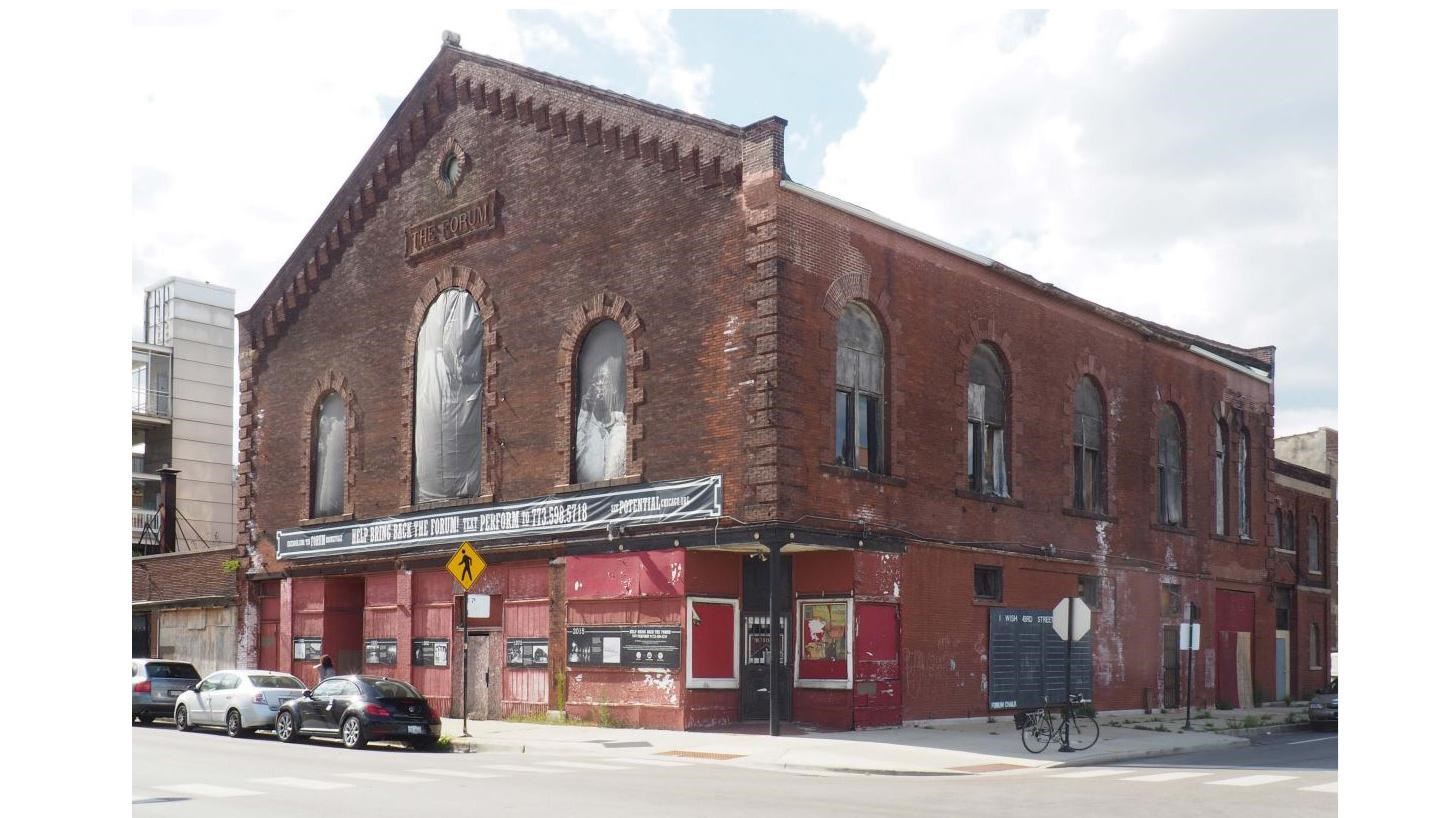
x=700, y=754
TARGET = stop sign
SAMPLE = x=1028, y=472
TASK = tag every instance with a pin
x=1060, y=619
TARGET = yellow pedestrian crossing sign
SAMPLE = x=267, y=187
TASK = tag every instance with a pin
x=466, y=565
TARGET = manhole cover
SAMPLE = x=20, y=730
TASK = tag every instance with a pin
x=700, y=754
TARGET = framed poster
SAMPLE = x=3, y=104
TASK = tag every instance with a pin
x=825, y=642
x=431, y=653
x=381, y=651
x=527, y=652
x=308, y=647
x=651, y=646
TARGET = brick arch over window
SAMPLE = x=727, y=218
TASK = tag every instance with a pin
x=854, y=285
x=460, y=278
x=605, y=306
x=986, y=331
x=1087, y=365
x=330, y=383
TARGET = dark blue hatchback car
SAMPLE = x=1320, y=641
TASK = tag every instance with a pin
x=358, y=709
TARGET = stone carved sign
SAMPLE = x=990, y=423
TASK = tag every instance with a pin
x=451, y=228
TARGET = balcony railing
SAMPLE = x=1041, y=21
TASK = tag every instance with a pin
x=151, y=402
x=145, y=532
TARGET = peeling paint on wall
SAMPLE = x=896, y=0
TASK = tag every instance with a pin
x=663, y=682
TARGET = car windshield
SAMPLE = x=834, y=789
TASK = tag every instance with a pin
x=391, y=689
x=171, y=670
x=275, y=680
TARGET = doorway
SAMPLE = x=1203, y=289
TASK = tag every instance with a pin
x=485, y=657
x=756, y=631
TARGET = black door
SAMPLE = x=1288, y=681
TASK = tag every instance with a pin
x=141, y=635
x=755, y=633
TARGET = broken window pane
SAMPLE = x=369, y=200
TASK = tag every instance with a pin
x=988, y=582
x=1169, y=456
x=449, y=374
x=1089, y=481
x=859, y=401
x=330, y=457
x=601, y=428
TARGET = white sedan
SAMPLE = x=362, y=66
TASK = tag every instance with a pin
x=239, y=700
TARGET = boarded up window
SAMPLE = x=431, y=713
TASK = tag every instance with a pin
x=1169, y=466
x=330, y=456
x=600, y=433
x=987, y=468
x=448, y=376
x=988, y=582
x=712, y=644
x=1089, y=463
x=859, y=398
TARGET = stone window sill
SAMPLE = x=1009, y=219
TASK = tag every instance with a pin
x=862, y=474
x=460, y=502
x=1172, y=529
x=571, y=488
x=1090, y=515
x=995, y=499
x=988, y=603
x=332, y=518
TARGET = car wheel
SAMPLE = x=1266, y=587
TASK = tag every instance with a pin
x=234, y=723
x=183, y=723
x=146, y=718
x=285, y=728
x=352, y=733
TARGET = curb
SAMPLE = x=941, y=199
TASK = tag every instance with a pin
x=1131, y=755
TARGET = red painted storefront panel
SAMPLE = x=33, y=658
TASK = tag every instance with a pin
x=611, y=576
x=433, y=602
x=714, y=573
x=713, y=647
x=818, y=573
x=307, y=621
x=877, y=700
x=382, y=619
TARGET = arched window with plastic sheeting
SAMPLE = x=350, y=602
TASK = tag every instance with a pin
x=448, y=380
x=600, y=420
x=988, y=471
x=859, y=397
x=1169, y=456
x=1089, y=432
x=330, y=456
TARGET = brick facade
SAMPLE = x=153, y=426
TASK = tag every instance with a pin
x=728, y=282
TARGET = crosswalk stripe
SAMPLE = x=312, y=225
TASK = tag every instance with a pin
x=583, y=765
x=208, y=790
x=1252, y=780
x=1330, y=787
x=516, y=768
x=653, y=762
x=1159, y=777
x=454, y=773
x=386, y=778
x=302, y=783
x=1092, y=773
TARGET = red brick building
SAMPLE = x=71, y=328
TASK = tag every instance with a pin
x=1305, y=562
x=650, y=379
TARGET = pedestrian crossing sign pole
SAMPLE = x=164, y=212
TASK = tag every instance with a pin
x=466, y=566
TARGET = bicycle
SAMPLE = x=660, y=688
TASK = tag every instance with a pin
x=1038, y=728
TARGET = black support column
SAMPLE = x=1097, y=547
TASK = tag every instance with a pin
x=774, y=635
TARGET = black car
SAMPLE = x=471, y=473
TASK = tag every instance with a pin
x=359, y=709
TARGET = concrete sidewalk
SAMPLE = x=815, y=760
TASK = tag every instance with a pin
x=947, y=747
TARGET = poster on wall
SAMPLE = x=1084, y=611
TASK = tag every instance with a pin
x=527, y=652
x=431, y=653
x=308, y=647
x=381, y=651
x=632, y=646
x=825, y=631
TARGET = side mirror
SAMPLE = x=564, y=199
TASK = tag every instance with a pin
x=307, y=694
x=197, y=688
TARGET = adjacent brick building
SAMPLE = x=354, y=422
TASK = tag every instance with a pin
x=928, y=448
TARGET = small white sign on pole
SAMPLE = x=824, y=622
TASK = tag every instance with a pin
x=1060, y=618
x=477, y=606
x=1191, y=636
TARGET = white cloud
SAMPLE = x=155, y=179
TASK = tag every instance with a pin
x=1180, y=167
x=647, y=38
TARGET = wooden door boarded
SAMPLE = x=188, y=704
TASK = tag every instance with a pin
x=877, y=694
x=1234, y=648
x=1171, y=666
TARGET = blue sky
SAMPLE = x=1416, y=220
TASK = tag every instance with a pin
x=1178, y=166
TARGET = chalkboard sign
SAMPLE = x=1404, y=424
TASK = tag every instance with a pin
x=527, y=652
x=650, y=646
x=1027, y=661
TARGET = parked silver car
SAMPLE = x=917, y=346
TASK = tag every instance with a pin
x=1323, y=709
x=239, y=700
x=155, y=686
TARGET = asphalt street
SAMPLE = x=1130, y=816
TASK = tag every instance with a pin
x=209, y=775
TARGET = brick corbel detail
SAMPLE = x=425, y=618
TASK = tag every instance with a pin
x=455, y=278
x=987, y=331
x=322, y=387
x=604, y=306
x=1088, y=364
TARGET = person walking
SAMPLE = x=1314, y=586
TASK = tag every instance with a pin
x=325, y=668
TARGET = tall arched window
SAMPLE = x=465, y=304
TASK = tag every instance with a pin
x=601, y=428
x=448, y=376
x=330, y=456
x=1090, y=484
x=1219, y=480
x=1244, y=486
x=988, y=472
x=1277, y=518
x=1289, y=530
x=1315, y=556
x=1168, y=466
x=858, y=437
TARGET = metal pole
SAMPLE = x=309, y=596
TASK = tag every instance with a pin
x=465, y=629
x=1190, y=658
x=1069, y=641
x=774, y=637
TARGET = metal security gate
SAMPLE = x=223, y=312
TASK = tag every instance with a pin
x=755, y=639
